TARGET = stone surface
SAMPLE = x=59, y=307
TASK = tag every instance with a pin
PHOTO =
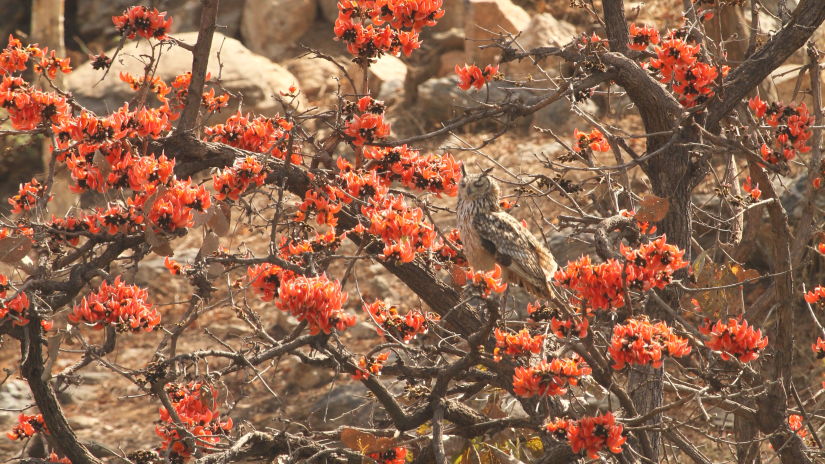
x=329, y=10
x=544, y=30
x=483, y=20
x=244, y=73
x=448, y=62
x=441, y=100
x=315, y=76
x=270, y=27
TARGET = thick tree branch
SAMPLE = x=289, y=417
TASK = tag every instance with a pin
x=200, y=59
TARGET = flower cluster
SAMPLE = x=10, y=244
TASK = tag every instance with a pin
x=233, y=181
x=365, y=122
x=16, y=307
x=752, y=190
x=792, y=129
x=370, y=366
x=548, y=378
x=50, y=64
x=486, y=282
x=678, y=64
x=736, y=338
x=471, y=76
x=516, y=344
x=431, y=172
x=403, y=328
x=814, y=296
x=140, y=20
x=28, y=107
x=638, y=341
x=196, y=404
x=27, y=426
x=642, y=37
x=590, y=434
x=402, y=20
x=265, y=279
x=173, y=209
x=600, y=285
x=595, y=141
x=797, y=425
x=401, y=228
x=316, y=300
x=397, y=455
x=27, y=196
x=124, y=306
x=209, y=101
x=259, y=134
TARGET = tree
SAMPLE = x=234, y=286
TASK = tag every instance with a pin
x=647, y=321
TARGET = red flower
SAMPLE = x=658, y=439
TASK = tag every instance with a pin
x=640, y=342
x=403, y=328
x=27, y=196
x=734, y=338
x=487, y=282
x=548, y=378
x=516, y=344
x=594, y=141
x=14, y=308
x=232, y=182
x=316, y=300
x=797, y=425
x=590, y=434
x=473, y=76
x=27, y=426
x=371, y=365
x=124, y=306
x=142, y=21
x=367, y=128
x=816, y=294
x=819, y=348
x=753, y=191
x=197, y=407
x=642, y=37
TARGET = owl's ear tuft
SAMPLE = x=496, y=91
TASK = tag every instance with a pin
x=486, y=171
x=463, y=171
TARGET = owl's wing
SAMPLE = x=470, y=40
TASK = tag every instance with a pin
x=513, y=246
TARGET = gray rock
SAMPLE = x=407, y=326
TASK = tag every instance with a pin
x=244, y=73
x=14, y=395
x=270, y=27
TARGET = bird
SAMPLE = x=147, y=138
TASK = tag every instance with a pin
x=492, y=236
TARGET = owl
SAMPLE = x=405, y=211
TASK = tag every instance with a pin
x=491, y=236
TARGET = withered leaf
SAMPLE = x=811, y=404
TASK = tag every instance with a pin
x=653, y=208
x=365, y=442
x=13, y=249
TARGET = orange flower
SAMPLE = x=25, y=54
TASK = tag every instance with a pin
x=472, y=76
x=642, y=37
x=316, y=300
x=734, y=338
x=124, y=306
x=27, y=426
x=637, y=341
x=403, y=328
x=548, y=378
x=516, y=344
x=487, y=282
x=142, y=21
x=594, y=141
x=197, y=407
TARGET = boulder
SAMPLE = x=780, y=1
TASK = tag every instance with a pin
x=244, y=73
x=316, y=77
x=544, y=30
x=270, y=27
x=94, y=18
x=441, y=100
x=448, y=62
x=484, y=20
x=386, y=79
x=329, y=10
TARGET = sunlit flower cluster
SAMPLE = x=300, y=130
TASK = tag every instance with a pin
x=370, y=366
x=638, y=341
x=28, y=107
x=791, y=129
x=316, y=300
x=471, y=76
x=27, y=426
x=371, y=28
x=485, y=283
x=600, y=285
x=27, y=196
x=173, y=208
x=734, y=339
x=594, y=141
x=400, y=327
x=516, y=344
x=547, y=378
x=233, y=181
x=678, y=65
x=265, y=279
x=260, y=134
x=140, y=20
x=402, y=228
x=365, y=122
x=431, y=172
x=642, y=37
x=590, y=434
x=196, y=404
x=16, y=307
x=124, y=306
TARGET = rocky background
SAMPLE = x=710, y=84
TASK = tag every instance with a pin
x=266, y=46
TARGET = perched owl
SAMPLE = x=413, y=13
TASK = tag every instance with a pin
x=491, y=236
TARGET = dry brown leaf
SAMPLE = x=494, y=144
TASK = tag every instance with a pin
x=365, y=442
x=653, y=208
